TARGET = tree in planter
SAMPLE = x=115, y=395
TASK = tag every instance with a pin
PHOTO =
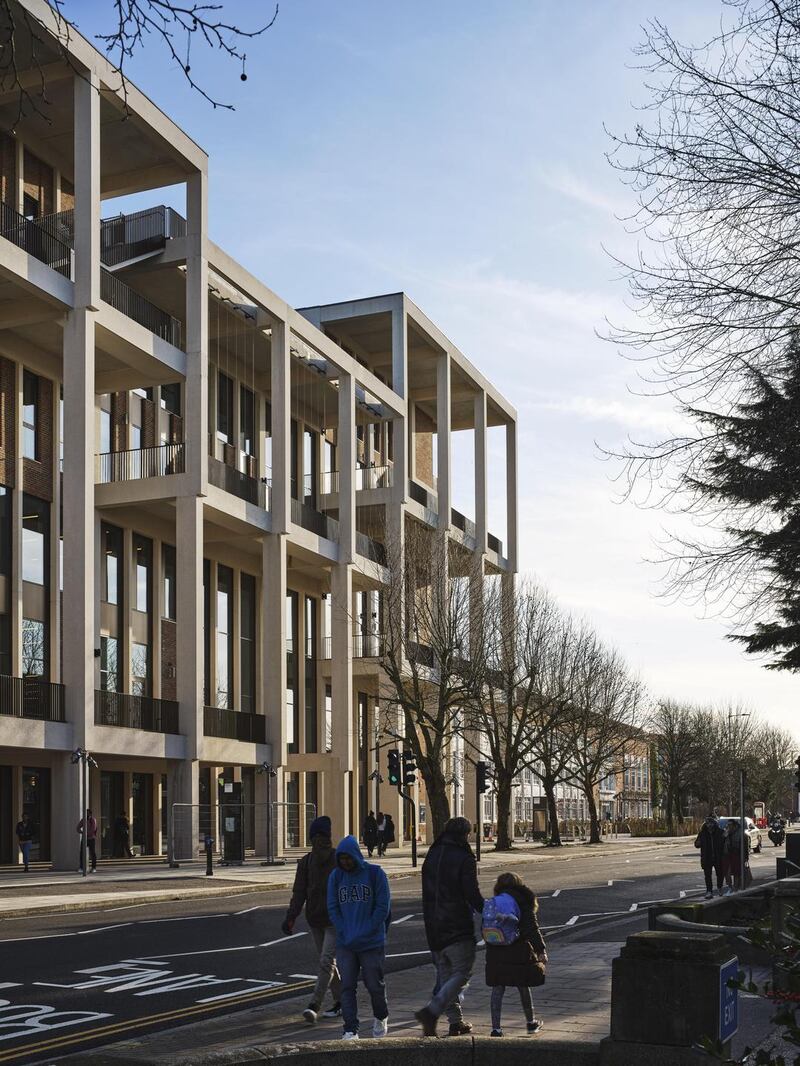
x=523, y=687
x=431, y=661
x=606, y=715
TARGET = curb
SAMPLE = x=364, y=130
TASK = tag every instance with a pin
x=210, y=892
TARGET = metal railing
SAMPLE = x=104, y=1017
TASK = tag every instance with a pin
x=136, y=712
x=329, y=482
x=31, y=697
x=494, y=543
x=460, y=521
x=314, y=521
x=122, y=297
x=374, y=477
x=139, y=463
x=234, y=725
x=37, y=239
x=229, y=479
x=370, y=549
x=129, y=236
x=365, y=646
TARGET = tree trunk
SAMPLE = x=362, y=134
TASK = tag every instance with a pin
x=438, y=803
x=670, y=818
x=594, y=831
x=503, y=783
x=552, y=813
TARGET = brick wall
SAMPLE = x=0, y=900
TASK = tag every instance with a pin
x=8, y=411
x=37, y=475
x=38, y=182
x=169, y=656
x=119, y=427
x=149, y=424
x=175, y=429
x=423, y=444
x=8, y=170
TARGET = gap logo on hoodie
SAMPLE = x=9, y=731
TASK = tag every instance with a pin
x=358, y=901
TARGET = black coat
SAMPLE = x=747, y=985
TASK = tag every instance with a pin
x=516, y=964
x=311, y=887
x=450, y=892
x=370, y=831
x=711, y=843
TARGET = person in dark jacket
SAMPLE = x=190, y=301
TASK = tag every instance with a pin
x=450, y=896
x=25, y=835
x=711, y=842
x=520, y=963
x=370, y=833
x=311, y=890
x=388, y=834
x=122, y=837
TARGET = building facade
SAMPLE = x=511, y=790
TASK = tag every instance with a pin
x=197, y=486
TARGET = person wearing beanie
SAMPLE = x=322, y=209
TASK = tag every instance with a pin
x=311, y=890
x=450, y=897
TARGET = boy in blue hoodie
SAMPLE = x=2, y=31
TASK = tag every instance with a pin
x=359, y=906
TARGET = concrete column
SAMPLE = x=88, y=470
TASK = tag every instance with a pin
x=400, y=447
x=347, y=468
x=273, y=636
x=183, y=788
x=280, y=388
x=343, y=738
x=65, y=810
x=86, y=100
x=16, y=534
x=54, y=611
x=481, y=478
x=190, y=621
x=443, y=439
x=511, y=496
x=196, y=403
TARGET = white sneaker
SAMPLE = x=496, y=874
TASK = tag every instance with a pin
x=310, y=1015
x=380, y=1027
x=349, y=1036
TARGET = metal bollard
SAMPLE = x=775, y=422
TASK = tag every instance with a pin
x=209, y=846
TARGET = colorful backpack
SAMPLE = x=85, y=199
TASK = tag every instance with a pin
x=500, y=920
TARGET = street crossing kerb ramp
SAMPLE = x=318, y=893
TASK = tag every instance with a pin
x=409, y=1051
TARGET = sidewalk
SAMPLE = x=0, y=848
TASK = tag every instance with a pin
x=52, y=891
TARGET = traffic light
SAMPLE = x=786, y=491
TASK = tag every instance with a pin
x=482, y=772
x=394, y=766
x=409, y=768
x=797, y=774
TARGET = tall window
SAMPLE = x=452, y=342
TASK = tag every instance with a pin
x=224, y=637
x=109, y=664
x=171, y=398
x=310, y=466
x=5, y=571
x=143, y=561
x=34, y=540
x=140, y=669
x=111, y=564
x=30, y=411
x=170, y=584
x=248, y=642
x=311, y=673
x=105, y=431
x=34, y=650
x=247, y=421
x=225, y=408
x=292, y=709
x=293, y=461
x=328, y=718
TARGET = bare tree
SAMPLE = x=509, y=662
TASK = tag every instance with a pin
x=679, y=748
x=432, y=615
x=775, y=751
x=123, y=29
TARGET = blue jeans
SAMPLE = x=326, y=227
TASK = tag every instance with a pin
x=370, y=965
x=25, y=847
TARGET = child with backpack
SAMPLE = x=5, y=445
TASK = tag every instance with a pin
x=515, y=950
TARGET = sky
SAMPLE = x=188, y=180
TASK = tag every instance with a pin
x=456, y=150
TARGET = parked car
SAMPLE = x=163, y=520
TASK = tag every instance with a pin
x=751, y=829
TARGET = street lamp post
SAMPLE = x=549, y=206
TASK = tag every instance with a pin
x=269, y=771
x=82, y=758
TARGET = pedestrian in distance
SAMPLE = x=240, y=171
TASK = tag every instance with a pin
x=25, y=835
x=359, y=905
x=310, y=890
x=91, y=841
x=380, y=822
x=388, y=833
x=516, y=955
x=450, y=898
x=122, y=837
x=711, y=842
x=370, y=833
x=732, y=850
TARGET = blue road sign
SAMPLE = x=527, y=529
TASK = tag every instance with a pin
x=728, y=1001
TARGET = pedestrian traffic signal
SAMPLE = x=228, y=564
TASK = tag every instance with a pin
x=409, y=768
x=482, y=772
x=797, y=774
x=394, y=767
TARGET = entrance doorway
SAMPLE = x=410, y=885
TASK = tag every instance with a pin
x=142, y=787
x=36, y=804
x=112, y=804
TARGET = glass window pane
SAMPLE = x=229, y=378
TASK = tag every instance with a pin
x=139, y=669
x=105, y=431
x=34, y=526
x=33, y=647
x=109, y=669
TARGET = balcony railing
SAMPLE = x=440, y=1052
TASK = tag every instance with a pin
x=329, y=481
x=31, y=697
x=420, y=494
x=365, y=646
x=234, y=725
x=136, y=712
x=130, y=236
x=140, y=463
x=314, y=521
x=35, y=239
x=122, y=297
x=466, y=525
x=229, y=479
x=371, y=549
x=374, y=477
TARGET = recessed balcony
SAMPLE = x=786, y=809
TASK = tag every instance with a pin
x=136, y=712
x=228, y=724
x=371, y=549
x=137, y=307
x=365, y=646
x=303, y=514
x=140, y=463
x=31, y=697
x=37, y=239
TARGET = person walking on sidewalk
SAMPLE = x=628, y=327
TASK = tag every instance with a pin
x=310, y=890
x=711, y=842
x=388, y=833
x=25, y=834
x=516, y=955
x=91, y=841
x=370, y=833
x=359, y=906
x=450, y=896
x=733, y=855
x=380, y=822
x=122, y=837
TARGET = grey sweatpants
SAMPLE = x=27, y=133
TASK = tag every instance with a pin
x=453, y=971
x=327, y=973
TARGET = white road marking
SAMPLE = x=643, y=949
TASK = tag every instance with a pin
x=407, y=954
x=399, y=921
x=633, y=907
x=243, y=992
x=10, y=984
x=25, y=939
x=281, y=940
x=185, y=918
x=556, y=893
x=572, y=920
x=304, y=976
x=102, y=928
x=249, y=910
x=683, y=893
x=610, y=883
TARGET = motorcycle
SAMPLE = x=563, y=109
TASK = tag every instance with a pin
x=777, y=833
